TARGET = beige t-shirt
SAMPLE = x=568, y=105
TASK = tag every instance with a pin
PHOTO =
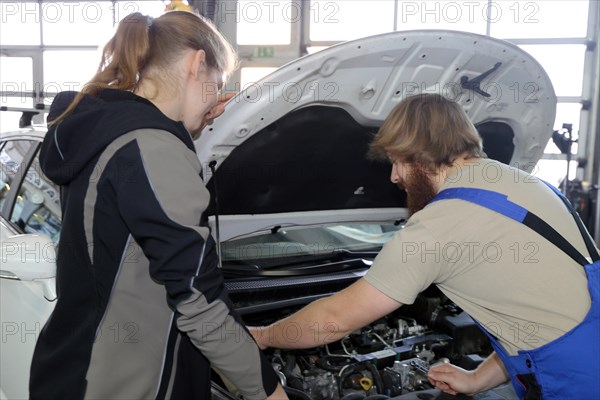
x=515, y=283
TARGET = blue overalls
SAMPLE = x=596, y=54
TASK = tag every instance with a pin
x=569, y=366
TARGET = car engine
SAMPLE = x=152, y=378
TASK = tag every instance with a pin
x=384, y=358
x=387, y=358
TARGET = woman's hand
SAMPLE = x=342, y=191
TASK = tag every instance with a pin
x=217, y=110
x=278, y=394
x=258, y=333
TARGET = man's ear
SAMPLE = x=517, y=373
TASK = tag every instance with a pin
x=198, y=63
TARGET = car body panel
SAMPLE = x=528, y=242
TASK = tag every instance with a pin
x=366, y=78
x=24, y=311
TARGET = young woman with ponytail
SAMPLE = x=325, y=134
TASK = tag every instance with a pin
x=142, y=312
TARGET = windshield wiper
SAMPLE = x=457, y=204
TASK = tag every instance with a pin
x=350, y=253
x=330, y=267
x=336, y=261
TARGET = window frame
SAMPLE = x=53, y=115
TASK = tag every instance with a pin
x=226, y=23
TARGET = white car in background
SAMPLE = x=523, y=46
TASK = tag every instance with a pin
x=29, y=219
x=298, y=209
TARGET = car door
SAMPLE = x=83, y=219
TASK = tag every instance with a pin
x=29, y=204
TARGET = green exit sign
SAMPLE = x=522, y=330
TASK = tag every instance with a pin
x=264, y=52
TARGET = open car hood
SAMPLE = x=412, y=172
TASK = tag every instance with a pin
x=291, y=149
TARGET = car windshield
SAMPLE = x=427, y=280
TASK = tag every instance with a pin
x=284, y=246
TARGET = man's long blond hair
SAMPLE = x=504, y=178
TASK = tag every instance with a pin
x=429, y=129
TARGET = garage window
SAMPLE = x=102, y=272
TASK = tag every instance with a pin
x=265, y=22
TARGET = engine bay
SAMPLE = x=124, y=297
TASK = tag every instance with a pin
x=379, y=359
x=390, y=357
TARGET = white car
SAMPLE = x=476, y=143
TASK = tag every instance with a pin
x=298, y=209
x=29, y=208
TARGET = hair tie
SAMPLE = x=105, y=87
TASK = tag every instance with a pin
x=149, y=21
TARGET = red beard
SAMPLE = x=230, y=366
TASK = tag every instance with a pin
x=419, y=189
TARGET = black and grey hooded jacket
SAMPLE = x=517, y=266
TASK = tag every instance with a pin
x=141, y=307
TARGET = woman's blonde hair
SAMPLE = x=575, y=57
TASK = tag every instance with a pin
x=142, y=43
x=428, y=129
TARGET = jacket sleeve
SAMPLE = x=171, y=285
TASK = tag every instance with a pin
x=162, y=197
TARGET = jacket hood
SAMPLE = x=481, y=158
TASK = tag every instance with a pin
x=96, y=121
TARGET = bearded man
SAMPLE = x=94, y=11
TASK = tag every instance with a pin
x=494, y=240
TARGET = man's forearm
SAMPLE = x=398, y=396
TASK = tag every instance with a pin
x=312, y=326
x=329, y=319
x=490, y=373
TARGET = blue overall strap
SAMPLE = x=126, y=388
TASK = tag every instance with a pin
x=589, y=244
x=499, y=203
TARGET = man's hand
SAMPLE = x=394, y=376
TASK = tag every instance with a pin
x=328, y=319
x=452, y=379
